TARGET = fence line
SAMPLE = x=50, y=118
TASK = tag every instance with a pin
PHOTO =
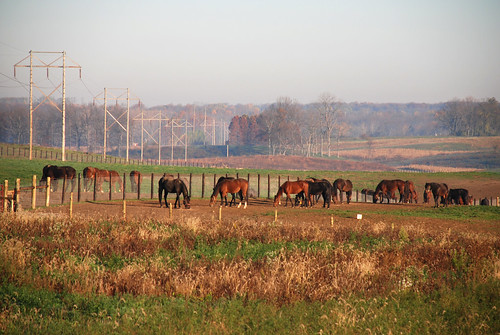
x=16, y=198
x=84, y=157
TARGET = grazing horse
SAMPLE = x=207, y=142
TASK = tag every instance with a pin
x=169, y=184
x=485, y=202
x=233, y=199
x=110, y=176
x=343, y=186
x=321, y=187
x=317, y=188
x=409, y=192
x=58, y=172
x=293, y=187
x=135, y=180
x=439, y=191
x=231, y=186
x=88, y=177
x=388, y=188
x=459, y=196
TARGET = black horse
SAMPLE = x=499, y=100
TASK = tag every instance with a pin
x=58, y=172
x=168, y=184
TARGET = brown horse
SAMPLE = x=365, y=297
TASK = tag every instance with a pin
x=107, y=176
x=135, y=180
x=293, y=187
x=58, y=172
x=410, y=193
x=88, y=177
x=342, y=186
x=439, y=191
x=226, y=186
x=388, y=188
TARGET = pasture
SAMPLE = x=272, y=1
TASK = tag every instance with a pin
x=402, y=268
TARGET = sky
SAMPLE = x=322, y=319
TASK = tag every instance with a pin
x=218, y=51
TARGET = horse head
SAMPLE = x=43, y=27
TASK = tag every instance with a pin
x=187, y=202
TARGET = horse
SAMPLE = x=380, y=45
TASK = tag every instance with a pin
x=343, y=186
x=169, y=184
x=459, y=196
x=135, y=180
x=485, y=202
x=409, y=192
x=388, y=188
x=293, y=187
x=321, y=187
x=231, y=186
x=439, y=191
x=317, y=188
x=58, y=172
x=108, y=176
x=233, y=199
x=88, y=177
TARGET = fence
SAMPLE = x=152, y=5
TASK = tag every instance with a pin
x=31, y=195
x=38, y=153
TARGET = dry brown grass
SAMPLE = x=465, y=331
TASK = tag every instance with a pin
x=73, y=256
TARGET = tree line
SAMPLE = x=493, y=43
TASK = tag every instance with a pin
x=284, y=127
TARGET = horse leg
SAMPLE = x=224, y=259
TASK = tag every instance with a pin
x=177, y=200
x=348, y=196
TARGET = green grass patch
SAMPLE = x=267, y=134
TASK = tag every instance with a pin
x=465, y=310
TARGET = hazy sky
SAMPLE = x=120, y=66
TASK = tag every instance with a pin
x=256, y=51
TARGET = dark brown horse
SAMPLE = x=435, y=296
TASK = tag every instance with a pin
x=88, y=177
x=388, y=188
x=410, y=193
x=170, y=184
x=135, y=180
x=342, y=186
x=293, y=187
x=439, y=191
x=226, y=186
x=459, y=196
x=107, y=176
x=58, y=172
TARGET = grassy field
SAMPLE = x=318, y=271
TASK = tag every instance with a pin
x=397, y=272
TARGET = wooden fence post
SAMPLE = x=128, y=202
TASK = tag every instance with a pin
x=17, y=192
x=258, y=185
x=79, y=189
x=33, y=193
x=95, y=186
x=190, y=184
x=71, y=205
x=202, y=185
x=110, y=186
x=125, y=186
x=63, y=190
x=139, y=187
x=269, y=186
x=152, y=184
x=5, y=192
x=47, y=193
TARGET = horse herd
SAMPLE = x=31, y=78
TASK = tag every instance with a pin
x=306, y=192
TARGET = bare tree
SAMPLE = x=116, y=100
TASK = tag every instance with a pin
x=329, y=113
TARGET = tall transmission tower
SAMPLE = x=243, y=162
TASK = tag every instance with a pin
x=116, y=94
x=58, y=63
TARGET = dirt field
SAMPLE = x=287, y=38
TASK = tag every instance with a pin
x=262, y=210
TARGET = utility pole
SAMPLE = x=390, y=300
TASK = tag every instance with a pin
x=48, y=64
